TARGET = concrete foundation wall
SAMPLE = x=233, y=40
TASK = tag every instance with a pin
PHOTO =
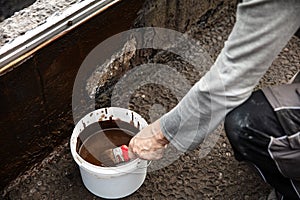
x=36, y=96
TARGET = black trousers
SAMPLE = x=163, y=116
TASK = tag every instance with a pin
x=248, y=128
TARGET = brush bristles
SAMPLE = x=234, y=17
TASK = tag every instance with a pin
x=107, y=158
x=113, y=157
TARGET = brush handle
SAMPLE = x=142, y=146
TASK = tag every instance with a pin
x=127, y=154
x=124, y=149
x=122, y=154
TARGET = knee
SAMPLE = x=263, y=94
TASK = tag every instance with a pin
x=236, y=124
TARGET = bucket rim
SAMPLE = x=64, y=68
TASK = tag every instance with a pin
x=91, y=118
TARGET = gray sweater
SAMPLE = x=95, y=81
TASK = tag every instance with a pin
x=262, y=29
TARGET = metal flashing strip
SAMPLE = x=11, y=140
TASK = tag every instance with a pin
x=55, y=26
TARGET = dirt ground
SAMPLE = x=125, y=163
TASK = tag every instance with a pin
x=216, y=176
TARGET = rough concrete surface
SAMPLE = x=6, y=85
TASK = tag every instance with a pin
x=7, y=8
x=30, y=17
x=216, y=176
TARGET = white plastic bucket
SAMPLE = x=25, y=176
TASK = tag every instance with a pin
x=110, y=182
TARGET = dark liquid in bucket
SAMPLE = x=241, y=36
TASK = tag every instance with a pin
x=99, y=137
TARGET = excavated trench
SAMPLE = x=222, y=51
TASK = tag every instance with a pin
x=36, y=113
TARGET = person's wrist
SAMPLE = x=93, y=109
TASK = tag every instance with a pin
x=158, y=133
x=163, y=139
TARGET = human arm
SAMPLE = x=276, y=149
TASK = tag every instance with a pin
x=261, y=31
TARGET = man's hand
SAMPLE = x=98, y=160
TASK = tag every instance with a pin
x=149, y=143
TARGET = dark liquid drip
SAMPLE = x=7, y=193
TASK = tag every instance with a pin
x=96, y=140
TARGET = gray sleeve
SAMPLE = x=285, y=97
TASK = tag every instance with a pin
x=262, y=29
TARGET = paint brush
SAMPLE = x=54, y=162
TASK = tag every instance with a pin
x=113, y=157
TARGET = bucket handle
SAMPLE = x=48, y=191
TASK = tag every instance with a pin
x=148, y=163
